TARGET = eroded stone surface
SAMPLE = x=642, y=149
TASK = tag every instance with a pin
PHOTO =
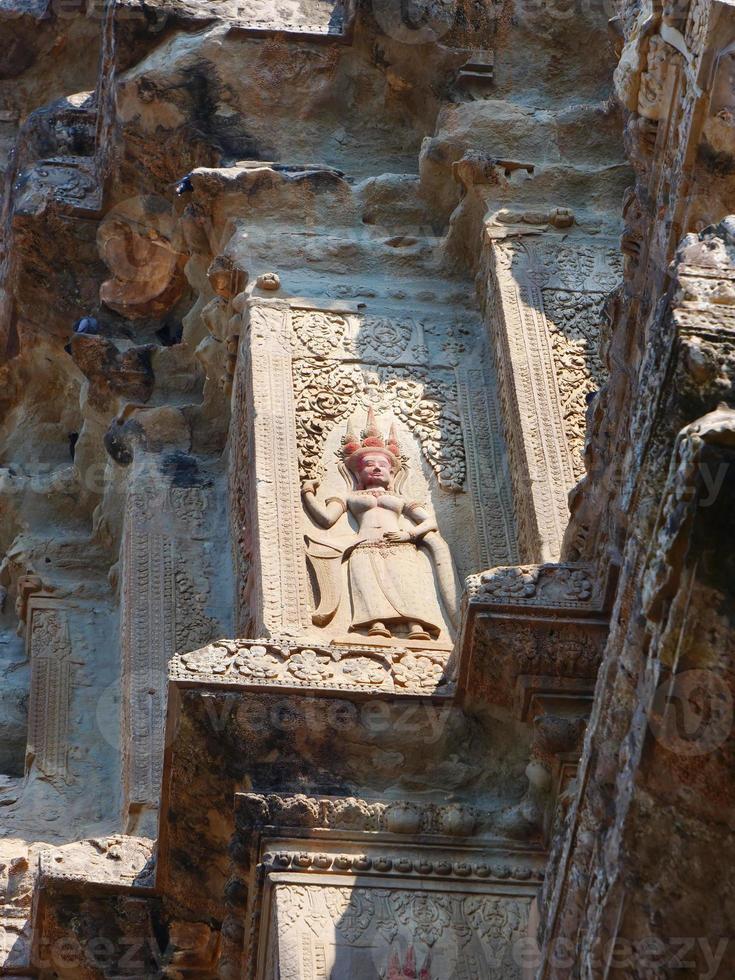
x=250, y=251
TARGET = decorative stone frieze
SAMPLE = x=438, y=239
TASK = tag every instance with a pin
x=357, y=865
x=394, y=929
x=288, y=663
x=546, y=620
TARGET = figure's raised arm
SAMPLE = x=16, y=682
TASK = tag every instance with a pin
x=326, y=514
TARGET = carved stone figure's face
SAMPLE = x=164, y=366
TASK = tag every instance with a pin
x=375, y=471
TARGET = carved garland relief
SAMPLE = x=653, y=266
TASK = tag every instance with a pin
x=363, y=932
x=284, y=664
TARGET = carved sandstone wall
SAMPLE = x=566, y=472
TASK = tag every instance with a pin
x=262, y=713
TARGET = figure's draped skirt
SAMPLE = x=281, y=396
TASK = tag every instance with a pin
x=393, y=582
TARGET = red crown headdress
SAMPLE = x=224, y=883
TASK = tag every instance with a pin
x=371, y=441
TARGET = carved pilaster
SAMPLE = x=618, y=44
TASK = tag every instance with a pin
x=164, y=598
x=488, y=473
x=544, y=306
x=148, y=642
x=50, y=653
x=264, y=408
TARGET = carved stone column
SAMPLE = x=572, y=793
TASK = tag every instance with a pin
x=164, y=604
x=488, y=472
x=50, y=655
x=148, y=643
x=264, y=467
x=544, y=307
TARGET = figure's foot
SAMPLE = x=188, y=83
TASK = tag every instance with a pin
x=379, y=629
x=417, y=632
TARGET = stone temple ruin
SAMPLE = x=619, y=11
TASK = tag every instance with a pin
x=367, y=540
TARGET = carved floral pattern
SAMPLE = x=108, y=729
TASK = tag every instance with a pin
x=528, y=651
x=417, y=671
x=364, y=671
x=574, y=325
x=320, y=332
x=257, y=663
x=309, y=666
x=193, y=625
x=326, y=394
x=554, y=584
x=283, y=662
x=189, y=505
x=330, y=392
x=428, y=405
x=578, y=583
x=583, y=268
x=49, y=633
x=383, y=336
x=426, y=916
x=498, y=922
x=513, y=582
x=209, y=660
x=289, y=913
x=352, y=909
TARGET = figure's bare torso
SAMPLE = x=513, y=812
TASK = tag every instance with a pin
x=375, y=511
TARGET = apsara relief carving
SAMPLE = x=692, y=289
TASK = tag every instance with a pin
x=394, y=555
x=424, y=372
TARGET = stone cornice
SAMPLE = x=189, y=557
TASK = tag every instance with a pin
x=304, y=666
